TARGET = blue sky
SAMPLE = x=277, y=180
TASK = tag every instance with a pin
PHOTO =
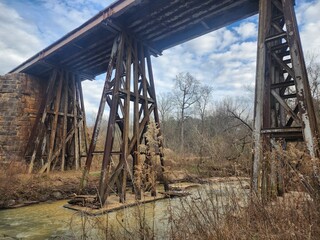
x=224, y=59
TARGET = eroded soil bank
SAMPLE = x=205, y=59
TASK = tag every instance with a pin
x=23, y=189
x=19, y=190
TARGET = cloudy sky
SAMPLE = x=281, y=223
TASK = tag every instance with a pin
x=224, y=59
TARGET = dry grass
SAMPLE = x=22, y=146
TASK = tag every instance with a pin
x=227, y=219
x=192, y=167
x=296, y=215
x=226, y=213
x=211, y=214
x=216, y=214
x=17, y=187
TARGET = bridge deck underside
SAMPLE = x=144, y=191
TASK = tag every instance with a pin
x=159, y=24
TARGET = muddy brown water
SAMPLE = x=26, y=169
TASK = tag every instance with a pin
x=53, y=221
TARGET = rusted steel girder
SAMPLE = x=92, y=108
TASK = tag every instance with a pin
x=283, y=102
x=129, y=84
x=59, y=139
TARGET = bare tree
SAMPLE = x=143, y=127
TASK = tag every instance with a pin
x=202, y=104
x=238, y=109
x=203, y=101
x=313, y=69
x=186, y=94
x=165, y=105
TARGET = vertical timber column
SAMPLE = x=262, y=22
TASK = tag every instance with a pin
x=157, y=120
x=136, y=156
x=56, y=139
x=305, y=103
x=259, y=92
x=129, y=83
x=104, y=98
x=284, y=109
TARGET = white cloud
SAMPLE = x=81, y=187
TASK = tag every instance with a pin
x=92, y=91
x=247, y=30
x=224, y=58
x=18, y=39
x=211, y=42
x=308, y=16
x=68, y=15
x=26, y=28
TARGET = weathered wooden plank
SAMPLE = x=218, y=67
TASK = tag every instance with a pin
x=65, y=120
x=306, y=108
x=84, y=127
x=126, y=127
x=285, y=106
x=39, y=122
x=47, y=166
x=75, y=123
x=96, y=128
x=264, y=20
x=104, y=185
x=134, y=147
x=157, y=121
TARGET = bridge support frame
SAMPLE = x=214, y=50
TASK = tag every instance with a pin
x=129, y=85
x=283, y=103
x=59, y=138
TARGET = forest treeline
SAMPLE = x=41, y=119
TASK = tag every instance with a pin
x=195, y=126
x=205, y=134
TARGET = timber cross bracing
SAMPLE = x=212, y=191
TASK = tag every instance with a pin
x=58, y=139
x=283, y=103
x=127, y=56
x=120, y=40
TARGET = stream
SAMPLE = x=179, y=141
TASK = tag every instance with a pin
x=53, y=221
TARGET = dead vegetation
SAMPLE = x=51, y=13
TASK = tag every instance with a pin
x=293, y=217
x=243, y=215
x=223, y=139
x=18, y=188
x=222, y=213
x=237, y=213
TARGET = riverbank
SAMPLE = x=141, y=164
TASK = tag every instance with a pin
x=53, y=221
x=213, y=211
x=18, y=190
x=23, y=189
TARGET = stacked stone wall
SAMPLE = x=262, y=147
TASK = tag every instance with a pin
x=20, y=98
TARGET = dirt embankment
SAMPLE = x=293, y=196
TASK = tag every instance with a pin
x=23, y=189
x=17, y=190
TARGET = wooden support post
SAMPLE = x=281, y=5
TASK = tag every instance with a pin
x=104, y=186
x=75, y=123
x=281, y=82
x=157, y=121
x=128, y=56
x=259, y=93
x=54, y=125
x=126, y=126
x=38, y=129
x=57, y=123
x=306, y=108
x=84, y=120
x=137, y=168
x=65, y=123
x=96, y=129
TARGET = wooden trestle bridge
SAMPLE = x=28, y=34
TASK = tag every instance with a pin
x=119, y=41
